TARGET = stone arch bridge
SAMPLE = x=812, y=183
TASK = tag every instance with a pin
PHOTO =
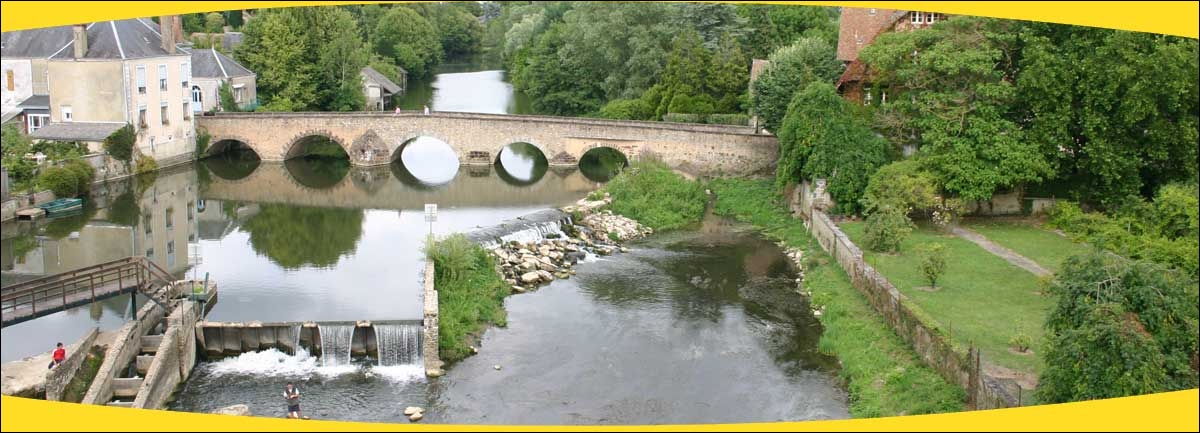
x=376, y=138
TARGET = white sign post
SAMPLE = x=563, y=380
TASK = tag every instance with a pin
x=430, y=215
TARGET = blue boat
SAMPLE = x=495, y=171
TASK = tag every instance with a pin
x=62, y=206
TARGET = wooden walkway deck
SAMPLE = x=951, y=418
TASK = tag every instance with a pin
x=48, y=295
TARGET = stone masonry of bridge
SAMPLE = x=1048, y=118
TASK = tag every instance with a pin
x=372, y=138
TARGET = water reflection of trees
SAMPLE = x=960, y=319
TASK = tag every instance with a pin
x=602, y=164
x=293, y=236
x=61, y=227
x=536, y=161
x=317, y=172
x=232, y=165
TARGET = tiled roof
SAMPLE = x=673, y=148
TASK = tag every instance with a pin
x=210, y=63
x=76, y=131
x=857, y=27
x=383, y=81
x=123, y=39
x=35, y=43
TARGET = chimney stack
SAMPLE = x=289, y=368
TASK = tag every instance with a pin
x=81, y=41
x=178, y=28
x=166, y=27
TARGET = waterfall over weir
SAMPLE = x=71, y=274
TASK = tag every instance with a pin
x=399, y=344
x=335, y=344
x=529, y=228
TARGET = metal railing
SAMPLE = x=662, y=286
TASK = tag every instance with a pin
x=46, y=295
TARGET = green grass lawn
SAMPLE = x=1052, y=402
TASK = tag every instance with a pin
x=1035, y=243
x=981, y=298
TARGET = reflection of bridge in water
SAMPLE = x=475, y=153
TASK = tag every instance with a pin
x=387, y=187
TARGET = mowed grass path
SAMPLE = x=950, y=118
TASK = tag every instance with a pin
x=1027, y=239
x=981, y=298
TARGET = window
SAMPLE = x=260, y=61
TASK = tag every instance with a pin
x=67, y=114
x=150, y=253
x=146, y=222
x=170, y=222
x=187, y=111
x=934, y=17
x=10, y=82
x=918, y=17
x=142, y=116
x=867, y=96
x=162, y=77
x=872, y=12
x=163, y=113
x=237, y=93
x=170, y=254
x=185, y=74
x=197, y=95
x=141, y=79
x=191, y=211
x=37, y=121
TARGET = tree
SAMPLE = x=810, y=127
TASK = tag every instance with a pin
x=1114, y=112
x=119, y=144
x=295, y=237
x=1119, y=328
x=900, y=185
x=950, y=94
x=228, y=103
x=341, y=60
x=791, y=69
x=214, y=22
x=712, y=21
x=403, y=35
x=278, y=47
x=886, y=229
x=822, y=137
x=14, y=146
x=234, y=19
x=557, y=84
x=933, y=262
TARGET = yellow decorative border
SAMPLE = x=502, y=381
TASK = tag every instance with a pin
x=1175, y=411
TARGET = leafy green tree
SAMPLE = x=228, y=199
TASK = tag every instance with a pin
x=191, y=23
x=278, y=47
x=933, y=262
x=777, y=26
x=1114, y=112
x=14, y=146
x=234, y=19
x=227, y=101
x=627, y=109
x=405, y=36
x=712, y=21
x=341, y=59
x=557, y=84
x=119, y=144
x=1119, y=328
x=900, y=185
x=791, y=69
x=886, y=229
x=823, y=137
x=214, y=22
x=951, y=94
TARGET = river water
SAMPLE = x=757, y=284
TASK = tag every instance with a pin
x=691, y=327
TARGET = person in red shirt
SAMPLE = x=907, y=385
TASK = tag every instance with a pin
x=60, y=354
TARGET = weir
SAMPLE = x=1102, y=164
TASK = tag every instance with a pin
x=393, y=342
x=335, y=344
x=399, y=344
x=528, y=228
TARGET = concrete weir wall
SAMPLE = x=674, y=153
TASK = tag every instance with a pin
x=429, y=331
x=125, y=347
x=221, y=339
x=173, y=360
x=956, y=364
x=58, y=378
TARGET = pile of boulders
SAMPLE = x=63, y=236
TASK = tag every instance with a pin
x=525, y=266
x=414, y=413
x=796, y=255
x=615, y=227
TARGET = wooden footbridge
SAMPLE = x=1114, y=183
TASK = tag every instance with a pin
x=48, y=295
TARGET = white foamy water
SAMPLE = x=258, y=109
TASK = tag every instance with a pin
x=273, y=363
x=399, y=373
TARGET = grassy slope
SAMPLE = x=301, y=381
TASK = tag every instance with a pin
x=884, y=375
x=981, y=298
x=470, y=295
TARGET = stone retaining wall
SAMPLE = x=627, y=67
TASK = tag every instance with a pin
x=61, y=376
x=956, y=364
x=432, y=357
x=125, y=346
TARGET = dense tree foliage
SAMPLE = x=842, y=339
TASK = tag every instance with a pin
x=1114, y=112
x=405, y=36
x=951, y=95
x=824, y=138
x=792, y=68
x=1120, y=328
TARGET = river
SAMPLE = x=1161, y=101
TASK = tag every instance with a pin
x=695, y=326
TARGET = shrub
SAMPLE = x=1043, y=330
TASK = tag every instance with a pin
x=729, y=119
x=146, y=164
x=627, y=109
x=84, y=174
x=470, y=293
x=886, y=230
x=613, y=236
x=656, y=196
x=119, y=144
x=683, y=118
x=68, y=180
x=901, y=185
x=933, y=262
x=1021, y=342
x=202, y=140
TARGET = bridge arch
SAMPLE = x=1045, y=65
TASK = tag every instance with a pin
x=317, y=174
x=396, y=147
x=602, y=163
x=521, y=163
x=299, y=144
x=227, y=144
x=424, y=161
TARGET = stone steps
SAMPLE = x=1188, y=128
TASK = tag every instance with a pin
x=149, y=343
x=126, y=387
x=125, y=404
x=143, y=363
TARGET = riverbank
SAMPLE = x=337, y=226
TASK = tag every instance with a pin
x=882, y=374
x=470, y=295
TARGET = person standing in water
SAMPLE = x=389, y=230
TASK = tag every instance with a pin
x=292, y=394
